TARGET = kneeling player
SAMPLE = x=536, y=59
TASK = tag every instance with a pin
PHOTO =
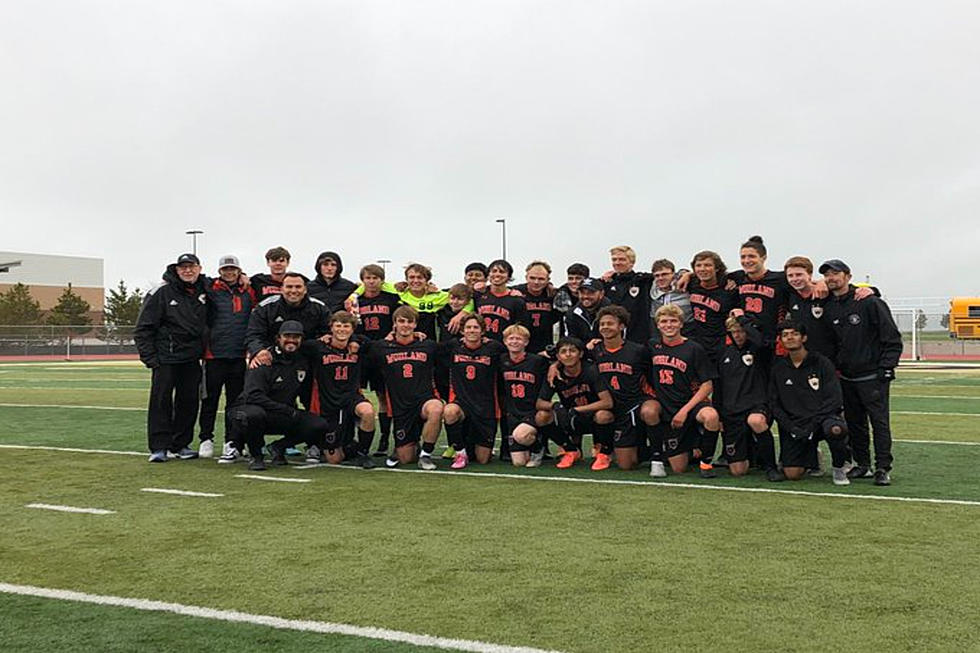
x=743, y=400
x=682, y=377
x=338, y=397
x=471, y=414
x=268, y=402
x=807, y=402
x=584, y=403
x=407, y=365
x=522, y=375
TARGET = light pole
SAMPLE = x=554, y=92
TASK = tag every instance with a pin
x=384, y=264
x=193, y=234
x=503, y=237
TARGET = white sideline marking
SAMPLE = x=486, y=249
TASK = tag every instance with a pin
x=894, y=395
x=234, y=616
x=967, y=444
x=599, y=481
x=922, y=412
x=183, y=493
x=273, y=478
x=88, y=511
x=63, y=406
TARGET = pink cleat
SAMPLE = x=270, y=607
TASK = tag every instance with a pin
x=460, y=460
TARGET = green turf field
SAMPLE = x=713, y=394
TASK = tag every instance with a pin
x=572, y=560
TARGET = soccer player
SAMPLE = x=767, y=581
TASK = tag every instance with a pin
x=541, y=312
x=268, y=403
x=338, y=397
x=497, y=305
x=292, y=304
x=630, y=289
x=682, y=377
x=264, y=285
x=474, y=362
x=582, y=321
x=762, y=293
x=664, y=291
x=711, y=303
x=328, y=285
x=623, y=367
x=743, y=401
x=418, y=292
x=584, y=402
x=169, y=336
x=567, y=296
x=522, y=375
x=375, y=308
x=868, y=349
x=460, y=295
x=407, y=365
x=475, y=273
x=230, y=303
x=805, y=307
x=805, y=397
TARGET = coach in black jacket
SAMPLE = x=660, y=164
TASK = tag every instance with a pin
x=328, y=286
x=292, y=304
x=868, y=348
x=170, y=338
x=580, y=320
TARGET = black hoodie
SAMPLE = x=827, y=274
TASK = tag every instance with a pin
x=172, y=321
x=331, y=293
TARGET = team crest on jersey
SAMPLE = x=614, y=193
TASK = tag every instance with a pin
x=672, y=443
x=816, y=311
x=300, y=375
x=748, y=359
x=814, y=382
x=729, y=450
x=634, y=291
x=854, y=319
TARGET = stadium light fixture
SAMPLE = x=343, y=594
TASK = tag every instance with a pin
x=384, y=264
x=193, y=234
x=503, y=237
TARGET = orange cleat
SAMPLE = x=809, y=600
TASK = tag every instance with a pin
x=602, y=461
x=568, y=459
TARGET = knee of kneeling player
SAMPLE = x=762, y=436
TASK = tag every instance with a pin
x=793, y=473
x=757, y=422
x=603, y=417
x=543, y=417
x=834, y=428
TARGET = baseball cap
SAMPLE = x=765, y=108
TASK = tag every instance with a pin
x=188, y=258
x=229, y=261
x=291, y=327
x=593, y=284
x=834, y=264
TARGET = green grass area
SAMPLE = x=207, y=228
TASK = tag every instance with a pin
x=558, y=565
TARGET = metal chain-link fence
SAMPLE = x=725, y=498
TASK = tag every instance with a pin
x=66, y=341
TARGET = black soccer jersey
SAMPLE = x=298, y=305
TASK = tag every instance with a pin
x=541, y=316
x=806, y=395
x=375, y=312
x=407, y=371
x=573, y=391
x=709, y=310
x=742, y=380
x=763, y=300
x=499, y=312
x=338, y=376
x=624, y=371
x=677, y=372
x=521, y=382
x=473, y=376
x=809, y=311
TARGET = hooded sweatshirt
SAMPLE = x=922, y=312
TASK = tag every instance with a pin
x=332, y=292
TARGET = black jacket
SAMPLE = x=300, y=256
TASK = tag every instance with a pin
x=331, y=293
x=172, y=321
x=275, y=387
x=268, y=316
x=867, y=338
x=631, y=290
x=742, y=382
x=581, y=324
x=801, y=398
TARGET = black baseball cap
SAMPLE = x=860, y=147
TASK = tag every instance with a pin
x=291, y=327
x=188, y=258
x=593, y=284
x=834, y=264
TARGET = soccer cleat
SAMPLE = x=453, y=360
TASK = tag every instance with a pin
x=859, y=471
x=365, y=461
x=230, y=455
x=568, y=459
x=277, y=458
x=257, y=464
x=158, y=456
x=840, y=476
x=206, y=449
x=535, y=459
x=293, y=451
x=391, y=461
x=449, y=453
x=882, y=477
x=602, y=461
x=313, y=455
x=707, y=471
x=657, y=469
x=186, y=454
x=775, y=475
x=460, y=460
x=426, y=463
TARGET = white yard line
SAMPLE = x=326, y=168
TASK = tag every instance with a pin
x=87, y=511
x=183, y=493
x=233, y=616
x=924, y=412
x=72, y=450
x=282, y=479
x=67, y=406
x=895, y=395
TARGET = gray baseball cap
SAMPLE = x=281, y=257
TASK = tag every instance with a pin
x=229, y=261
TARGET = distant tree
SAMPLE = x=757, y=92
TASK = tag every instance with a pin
x=921, y=320
x=944, y=321
x=122, y=307
x=18, y=307
x=71, y=312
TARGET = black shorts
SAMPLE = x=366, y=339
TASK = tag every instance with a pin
x=407, y=427
x=797, y=451
x=341, y=424
x=628, y=429
x=737, y=433
x=480, y=431
x=688, y=437
x=513, y=420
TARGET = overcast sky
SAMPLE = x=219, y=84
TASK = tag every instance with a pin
x=402, y=130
